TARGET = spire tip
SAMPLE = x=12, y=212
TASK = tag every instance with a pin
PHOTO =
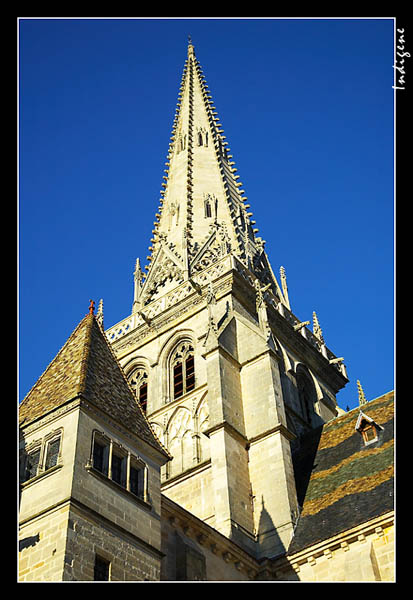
x=91, y=307
x=190, y=46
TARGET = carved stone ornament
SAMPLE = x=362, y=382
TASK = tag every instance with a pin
x=216, y=246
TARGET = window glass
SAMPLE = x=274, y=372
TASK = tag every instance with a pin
x=183, y=370
x=178, y=380
x=52, y=453
x=117, y=469
x=100, y=457
x=190, y=373
x=136, y=481
x=143, y=395
x=32, y=464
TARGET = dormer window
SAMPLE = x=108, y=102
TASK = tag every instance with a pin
x=368, y=429
x=369, y=433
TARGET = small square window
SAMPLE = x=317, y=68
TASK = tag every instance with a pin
x=137, y=481
x=101, y=569
x=369, y=434
x=119, y=469
x=100, y=456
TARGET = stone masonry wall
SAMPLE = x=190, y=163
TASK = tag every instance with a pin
x=88, y=537
x=42, y=544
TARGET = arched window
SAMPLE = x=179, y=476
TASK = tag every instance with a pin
x=182, y=370
x=200, y=139
x=138, y=381
x=307, y=393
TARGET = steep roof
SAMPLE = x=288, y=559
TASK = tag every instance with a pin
x=348, y=482
x=87, y=368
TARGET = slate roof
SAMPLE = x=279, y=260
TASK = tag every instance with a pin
x=87, y=368
x=341, y=482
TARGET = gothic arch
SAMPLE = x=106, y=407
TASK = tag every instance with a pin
x=158, y=431
x=288, y=364
x=307, y=392
x=201, y=422
x=134, y=362
x=137, y=373
x=179, y=434
x=166, y=355
x=201, y=412
x=172, y=341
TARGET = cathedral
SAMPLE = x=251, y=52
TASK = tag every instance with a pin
x=199, y=439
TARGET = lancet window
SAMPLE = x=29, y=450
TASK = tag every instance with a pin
x=181, y=145
x=202, y=137
x=208, y=209
x=138, y=381
x=183, y=370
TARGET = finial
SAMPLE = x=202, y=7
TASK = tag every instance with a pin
x=138, y=271
x=91, y=307
x=362, y=397
x=284, y=286
x=316, y=328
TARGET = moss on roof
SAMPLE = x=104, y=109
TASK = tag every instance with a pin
x=348, y=482
x=87, y=368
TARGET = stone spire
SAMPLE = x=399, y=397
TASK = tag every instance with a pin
x=202, y=208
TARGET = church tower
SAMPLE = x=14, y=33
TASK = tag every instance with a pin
x=90, y=502
x=228, y=376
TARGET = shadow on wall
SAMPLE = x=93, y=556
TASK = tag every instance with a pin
x=267, y=533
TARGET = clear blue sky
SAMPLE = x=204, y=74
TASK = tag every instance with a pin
x=307, y=108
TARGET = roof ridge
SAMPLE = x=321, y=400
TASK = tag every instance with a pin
x=47, y=368
x=84, y=361
x=360, y=408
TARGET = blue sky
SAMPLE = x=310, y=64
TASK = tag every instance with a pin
x=307, y=108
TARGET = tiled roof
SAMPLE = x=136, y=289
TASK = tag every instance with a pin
x=341, y=482
x=87, y=368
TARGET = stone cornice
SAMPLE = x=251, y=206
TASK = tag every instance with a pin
x=228, y=428
x=208, y=537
